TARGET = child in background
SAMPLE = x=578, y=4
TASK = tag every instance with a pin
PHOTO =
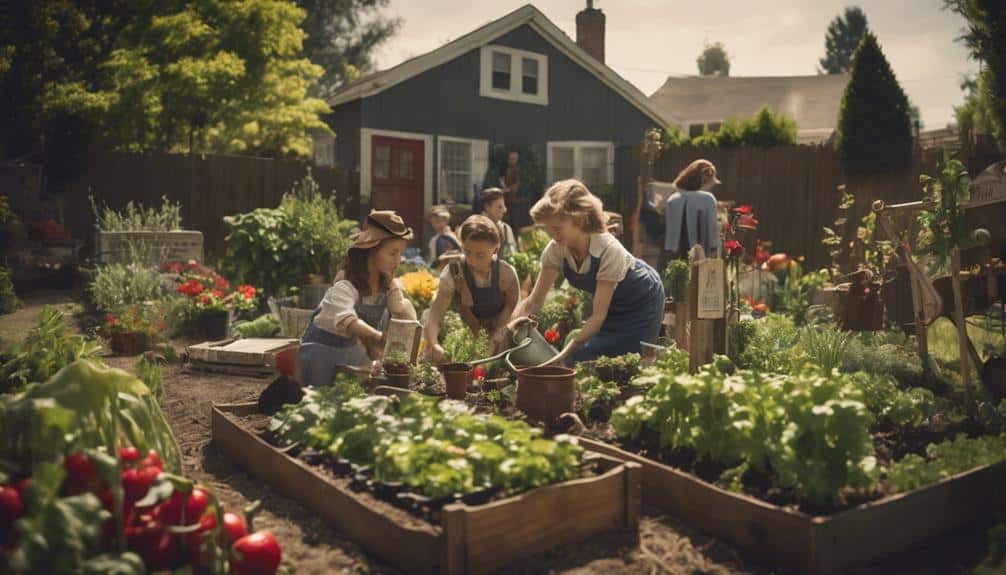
x=443, y=241
x=494, y=208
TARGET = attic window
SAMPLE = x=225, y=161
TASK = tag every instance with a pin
x=511, y=74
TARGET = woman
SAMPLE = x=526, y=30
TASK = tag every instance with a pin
x=351, y=316
x=486, y=288
x=690, y=212
x=628, y=294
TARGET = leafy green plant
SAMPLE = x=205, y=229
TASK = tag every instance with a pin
x=796, y=291
x=265, y=325
x=9, y=301
x=598, y=398
x=533, y=242
x=136, y=218
x=525, y=265
x=945, y=460
x=47, y=348
x=773, y=346
x=885, y=401
x=461, y=346
x=117, y=285
x=275, y=248
x=425, y=376
x=945, y=226
x=676, y=276
x=825, y=346
x=619, y=369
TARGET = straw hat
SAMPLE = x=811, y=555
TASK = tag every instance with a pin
x=379, y=226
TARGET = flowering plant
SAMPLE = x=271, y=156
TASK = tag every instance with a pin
x=420, y=287
x=209, y=291
x=135, y=319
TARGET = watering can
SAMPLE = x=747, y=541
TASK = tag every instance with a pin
x=537, y=352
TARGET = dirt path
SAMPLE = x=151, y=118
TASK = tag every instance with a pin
x=662, y=544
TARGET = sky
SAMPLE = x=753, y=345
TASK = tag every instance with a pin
x=647, y=40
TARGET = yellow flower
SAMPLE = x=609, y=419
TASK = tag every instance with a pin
x=419, y=286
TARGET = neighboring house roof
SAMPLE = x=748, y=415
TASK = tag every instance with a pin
x=379, y=81
x=812, y=101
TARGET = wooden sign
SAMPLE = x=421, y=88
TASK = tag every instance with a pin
x=711, y=301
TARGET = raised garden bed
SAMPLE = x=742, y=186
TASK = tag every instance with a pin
x=807, y=543
x=179, y=245
x=468, y=538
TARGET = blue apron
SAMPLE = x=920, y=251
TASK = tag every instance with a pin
x=487, y=302
x=634, y=314
x=444, y=244
x=347, y=350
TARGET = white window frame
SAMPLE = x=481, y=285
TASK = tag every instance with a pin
x=324, y=149
x=515, y=93
x=578, y=147
x=478, y=162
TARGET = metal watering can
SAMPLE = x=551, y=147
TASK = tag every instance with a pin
x=536, y=352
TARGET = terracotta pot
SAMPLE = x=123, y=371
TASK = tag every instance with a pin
x=397, y=376
x=457, y=376
x=131, y=343
x=545, y=393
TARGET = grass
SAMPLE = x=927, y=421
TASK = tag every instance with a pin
x=984, y=334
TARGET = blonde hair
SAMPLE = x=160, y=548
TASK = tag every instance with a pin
x=571, y=198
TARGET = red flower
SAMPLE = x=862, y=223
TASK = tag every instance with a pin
x=734, y=247
x=218, y=293
x=743, y=209
x=478, y=373
x=551, y=335
x=221, y=283
x=111, y=319
x=747, y=222
x=247, y=290
x=759, y=307
x=204, y=299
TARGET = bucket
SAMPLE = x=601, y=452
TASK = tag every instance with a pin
x=457, y=377
x=545, y=393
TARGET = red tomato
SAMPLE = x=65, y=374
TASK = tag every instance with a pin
x=170, y=512
x=478, y=373
x=234, y=528
x=195, y=539
x=256, y=554
x=136, y=482
x=155, y=544
x=80, y=472
x=153, y=460
x=129, y=454
x=11, y=506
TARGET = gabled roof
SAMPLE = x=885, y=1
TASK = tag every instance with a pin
x=812, y=101
x=379, y=81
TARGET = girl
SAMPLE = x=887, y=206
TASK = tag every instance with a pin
x=487, y=288
x=349, y=320
x=628, y=293
x=443, y=240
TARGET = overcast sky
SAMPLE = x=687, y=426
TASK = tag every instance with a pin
x=649, y=39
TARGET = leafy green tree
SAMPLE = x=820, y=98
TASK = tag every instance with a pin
x=341, y=37
x=714, y=60
x=985, y=36
x=844, y=34
x=874, y=128
x=974, y=116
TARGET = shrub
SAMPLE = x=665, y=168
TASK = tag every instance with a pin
x=8, y=299
x=135, y=218
x=676, y=276
x=49, y=347
x=117, y=285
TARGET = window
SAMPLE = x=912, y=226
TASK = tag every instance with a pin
x=590, y=162
x=695, y=130
x=382, y=162
x=511, y=74
x=529, y=78
x=501, y=71
x=324, y=149
x=455, y=170
x=406, y=161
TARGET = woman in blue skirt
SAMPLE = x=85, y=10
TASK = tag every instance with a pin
x=628, y=293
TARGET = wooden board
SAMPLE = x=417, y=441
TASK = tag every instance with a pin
x=817, y=544
x=470, y=539
x=250, y=352
x=178, y=245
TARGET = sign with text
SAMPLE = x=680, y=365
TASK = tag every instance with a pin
x=711, y=289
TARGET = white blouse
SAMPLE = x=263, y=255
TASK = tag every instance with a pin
x=338, y=307
x=615, y=259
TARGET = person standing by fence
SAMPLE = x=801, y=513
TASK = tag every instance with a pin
x=690, y=213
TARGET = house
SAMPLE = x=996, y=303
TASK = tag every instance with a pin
x=704, y=102
x=425, y=132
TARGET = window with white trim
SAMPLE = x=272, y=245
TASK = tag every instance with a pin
x=324, y=149
x=462, y=164
x=590, y=162
x=511, y=74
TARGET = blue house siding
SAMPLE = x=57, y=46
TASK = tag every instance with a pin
x=445, y=100
x=345, y=121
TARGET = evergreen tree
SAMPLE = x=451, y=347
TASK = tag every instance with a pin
x=843, y=36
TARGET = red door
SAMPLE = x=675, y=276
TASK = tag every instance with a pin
x=397, y=178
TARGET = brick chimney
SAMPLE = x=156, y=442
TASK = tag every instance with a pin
x=590, y=31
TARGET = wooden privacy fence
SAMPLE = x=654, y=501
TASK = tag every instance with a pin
x=793, y=189
x=208, y=187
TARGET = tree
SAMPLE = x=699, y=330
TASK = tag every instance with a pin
x=714, y=60
x=874, y=128
x=341, y=36
x=840, y=42
x=975, y=115
x=985, y=36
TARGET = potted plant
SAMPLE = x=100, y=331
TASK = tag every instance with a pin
x=213, y=300
x=396, y=368
x=426, y=378
x=461, y=348
x=131, y=329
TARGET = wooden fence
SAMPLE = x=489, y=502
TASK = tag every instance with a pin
x=793, y=189
x=208, y=187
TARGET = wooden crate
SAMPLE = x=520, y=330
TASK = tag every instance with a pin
x=253, y=351
x=470, y=539
x=178, y=245
x=805, y=543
